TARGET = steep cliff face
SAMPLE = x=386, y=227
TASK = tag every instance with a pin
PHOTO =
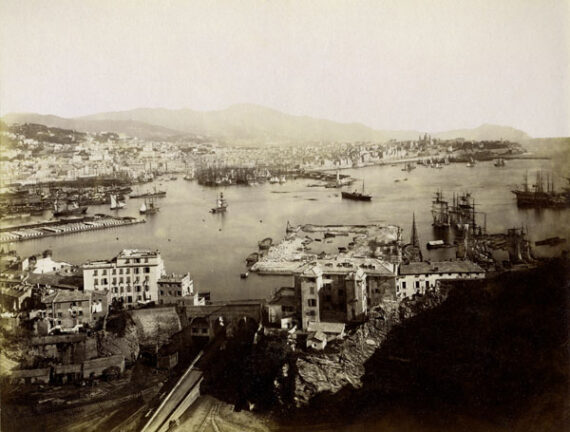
x=343, y=363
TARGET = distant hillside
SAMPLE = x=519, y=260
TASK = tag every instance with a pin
x=486, y=132
x=246, y=123
x=128, y=127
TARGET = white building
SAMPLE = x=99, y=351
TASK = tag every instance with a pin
x=418, y=277
x=175, y=288
x=131, y=277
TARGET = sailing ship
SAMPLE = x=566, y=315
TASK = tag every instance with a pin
x=471, y=163
x=148, y=207
x=538, y=196
x=500, y=162
x=337, y=183
x=221, y=205
x=357, y=196
x=440, y=211
x=115, y=203
x=74, y=210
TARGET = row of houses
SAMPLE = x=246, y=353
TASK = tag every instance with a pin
x=133, y=278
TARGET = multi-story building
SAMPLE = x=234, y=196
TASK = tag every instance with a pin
x=131, y=277
x=419, y=277
x=174, y=288
x=67, y=309
x=343, y=290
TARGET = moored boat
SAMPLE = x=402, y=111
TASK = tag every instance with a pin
x=75, y=209
x=500, y=162
x=436, y=244
x=551, y=241
x=115, y=203
x=221, y=205
x=265, y=243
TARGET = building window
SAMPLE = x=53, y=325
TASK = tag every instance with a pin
x=138, y=288
x=147, y=269
x=120, y=271
x=94, y=272
x=312, y=303
x=104, y=272
x=59, y=315
x=114, y=280
x=404, y=285
x=114, y=271
x=96, y=282
x=312, y=290
x=128, y=279
x=417, y=284
x=120, y=280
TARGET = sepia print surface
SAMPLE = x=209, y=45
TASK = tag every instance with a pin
x=284, y=216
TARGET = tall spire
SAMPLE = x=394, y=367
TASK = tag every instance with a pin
x=415, y=239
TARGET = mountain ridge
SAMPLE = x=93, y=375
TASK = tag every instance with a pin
x=247, y=123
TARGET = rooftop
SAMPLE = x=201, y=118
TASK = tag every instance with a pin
x=173, y=277
x=64, y=296
x=440, y=267
x=124, y=254
x=326, y=327
x=136, y=253
x=344, y=265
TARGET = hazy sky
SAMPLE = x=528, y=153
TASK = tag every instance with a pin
x=402, y=64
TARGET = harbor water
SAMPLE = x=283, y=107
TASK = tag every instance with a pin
x=213, y=247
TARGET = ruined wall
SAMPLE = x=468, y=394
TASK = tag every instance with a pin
x=156, y=325
x=126, y=344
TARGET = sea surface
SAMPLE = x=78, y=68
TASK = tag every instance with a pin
x=213, y=247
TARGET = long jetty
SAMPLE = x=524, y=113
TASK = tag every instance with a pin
x=37, y=230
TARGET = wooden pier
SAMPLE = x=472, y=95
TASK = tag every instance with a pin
x=18, y=233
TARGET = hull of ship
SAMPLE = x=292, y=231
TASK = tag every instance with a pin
x=537, y=199
x=71, y=212
x=356, y=197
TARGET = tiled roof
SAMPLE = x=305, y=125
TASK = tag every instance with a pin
x=64, y=296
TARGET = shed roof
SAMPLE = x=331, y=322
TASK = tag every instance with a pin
x=440, y=267
x=326, y=327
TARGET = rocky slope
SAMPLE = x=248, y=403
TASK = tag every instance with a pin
x=342, y=364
